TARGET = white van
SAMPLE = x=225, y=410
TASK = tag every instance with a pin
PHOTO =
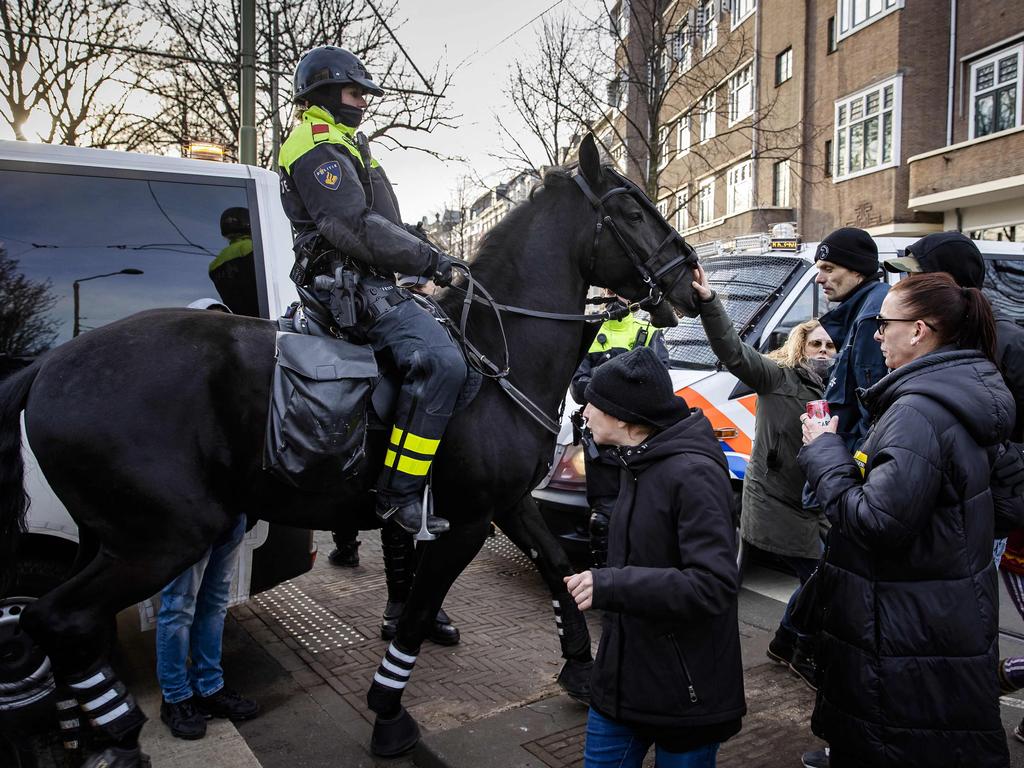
x=768, y=288
x=89, y=236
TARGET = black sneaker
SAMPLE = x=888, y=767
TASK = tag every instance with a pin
x=816, y=759
x=184, y=720
x=781, y=647
x=118, y=757
x=228, y=704
x=345, y=555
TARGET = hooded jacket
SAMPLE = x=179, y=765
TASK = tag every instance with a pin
x=909, y=642
x=669, y=657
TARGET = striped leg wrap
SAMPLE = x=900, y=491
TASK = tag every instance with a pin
x=69, y=718
x=573, y=634
x=558, y=617
x=389, y=681
x=105, y=701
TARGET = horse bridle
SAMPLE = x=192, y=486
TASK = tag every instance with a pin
x=650, y=271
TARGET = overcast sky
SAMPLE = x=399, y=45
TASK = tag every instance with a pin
x=456, y=30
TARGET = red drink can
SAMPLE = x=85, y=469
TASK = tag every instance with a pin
x=817, y=410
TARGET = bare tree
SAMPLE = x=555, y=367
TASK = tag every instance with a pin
x=549, y=92
x=25, y=325
x=60, y=66
x=199, y=99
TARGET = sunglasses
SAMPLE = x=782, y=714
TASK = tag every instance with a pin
x=882, y=322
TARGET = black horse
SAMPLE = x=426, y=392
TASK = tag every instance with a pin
x=150, y=431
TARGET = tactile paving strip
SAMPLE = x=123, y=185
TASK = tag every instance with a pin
x=502, y=545
x=312, y=625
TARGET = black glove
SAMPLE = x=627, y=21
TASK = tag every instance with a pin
x=442, y=269
x=1008, y=471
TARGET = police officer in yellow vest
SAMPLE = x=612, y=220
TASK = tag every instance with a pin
x=233, y=272
x=349, y=243
x=615, y=337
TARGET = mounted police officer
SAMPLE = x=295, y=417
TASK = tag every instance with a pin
x=349, y=243
x=615, y=337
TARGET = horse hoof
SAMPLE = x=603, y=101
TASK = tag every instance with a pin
x=575, y=680
x=115, y=757
x=395, y=736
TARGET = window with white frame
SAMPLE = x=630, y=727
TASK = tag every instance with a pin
x=682, y=214
x=708, y=26
x=741, y=9
x=682, y=46
x=854, y=14
x=741, y=94
x=707, y=117
x=683, y=134
x=619, y=156
x=663, y=134
x=867, y=130
x=739, y=188
x=706, y=201
x=996, y=92
x=780, y=184
x=662, y=207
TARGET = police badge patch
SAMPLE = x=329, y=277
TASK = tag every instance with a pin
x=329, y=175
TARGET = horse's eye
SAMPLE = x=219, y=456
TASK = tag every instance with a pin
x=635, y=216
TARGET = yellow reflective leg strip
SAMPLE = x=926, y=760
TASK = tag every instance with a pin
x=421, y=445
x=389, y=459
x=411, y=466
x=396, y=436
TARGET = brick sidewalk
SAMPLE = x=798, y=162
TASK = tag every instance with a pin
x=323, y=627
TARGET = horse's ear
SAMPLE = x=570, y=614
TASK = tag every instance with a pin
x=590, y=160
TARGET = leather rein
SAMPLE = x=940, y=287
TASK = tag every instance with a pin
x=648, y=269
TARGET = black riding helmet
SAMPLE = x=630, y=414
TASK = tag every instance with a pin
x=329, y=64
x=235, y=221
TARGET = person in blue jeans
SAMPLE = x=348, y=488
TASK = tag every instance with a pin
x=668, y=672
x=190, y=626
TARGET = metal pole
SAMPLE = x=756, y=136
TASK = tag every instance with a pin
x=274, y=108
x=247, y=89
x=76, y=329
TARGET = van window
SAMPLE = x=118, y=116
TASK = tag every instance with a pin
x=1004, y=286
x=749, y=286
x=128, y=244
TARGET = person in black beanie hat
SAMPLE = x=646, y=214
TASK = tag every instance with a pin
x=668, y=672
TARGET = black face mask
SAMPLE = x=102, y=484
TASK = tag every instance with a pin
x=349, y=116
x=819, y=367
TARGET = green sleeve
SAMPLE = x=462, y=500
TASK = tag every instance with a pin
x=743, y=361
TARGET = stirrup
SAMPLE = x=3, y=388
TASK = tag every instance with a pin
x=426, y=510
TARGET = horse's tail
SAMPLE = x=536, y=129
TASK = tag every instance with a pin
x=13, y=499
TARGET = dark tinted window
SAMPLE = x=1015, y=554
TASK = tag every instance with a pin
x=57, y=229
x=748, y=286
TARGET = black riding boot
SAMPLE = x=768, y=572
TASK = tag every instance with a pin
x=408, y=513
x=346, y=550
x=399, y=565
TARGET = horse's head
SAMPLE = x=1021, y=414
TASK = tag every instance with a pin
x=635, y=252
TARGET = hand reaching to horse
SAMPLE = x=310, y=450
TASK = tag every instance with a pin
x=581, y=587
x=701, y=284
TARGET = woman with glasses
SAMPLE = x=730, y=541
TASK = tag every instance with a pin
x=908, y=641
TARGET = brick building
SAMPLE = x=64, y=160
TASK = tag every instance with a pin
x=822, y=112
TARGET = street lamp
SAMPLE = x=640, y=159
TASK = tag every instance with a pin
x=74, y=288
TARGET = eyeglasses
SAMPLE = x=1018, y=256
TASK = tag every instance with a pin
x=882, y=322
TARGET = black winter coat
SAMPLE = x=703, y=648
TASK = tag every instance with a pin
x=669, y=655
x=909, y=645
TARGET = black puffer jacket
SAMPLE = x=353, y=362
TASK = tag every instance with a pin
x=909, y=645
x=669, y=656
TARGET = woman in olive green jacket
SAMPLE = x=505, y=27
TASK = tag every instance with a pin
x=773, y=518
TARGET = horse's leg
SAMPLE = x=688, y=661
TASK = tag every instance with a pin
x=440, y=563
x=525, y=527
x=72, y=625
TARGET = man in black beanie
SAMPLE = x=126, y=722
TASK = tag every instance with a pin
x=669, y=590
x=847, y=262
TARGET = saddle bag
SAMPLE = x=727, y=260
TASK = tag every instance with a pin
x=316, y=424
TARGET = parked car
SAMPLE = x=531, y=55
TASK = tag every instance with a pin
x=767, y=287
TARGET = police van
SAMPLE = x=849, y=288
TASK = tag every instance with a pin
x=766, y=282
x=90, y=236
